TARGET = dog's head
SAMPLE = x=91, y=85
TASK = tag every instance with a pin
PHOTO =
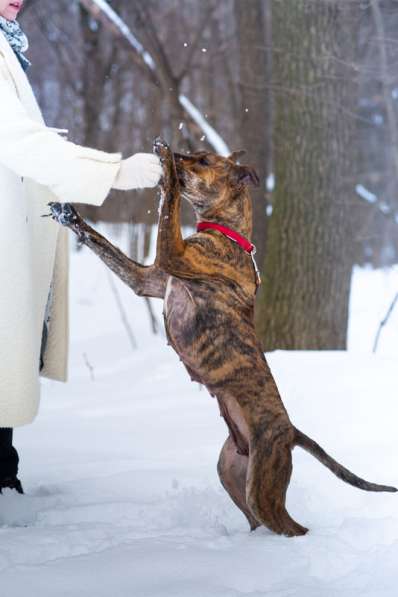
x=214, y=185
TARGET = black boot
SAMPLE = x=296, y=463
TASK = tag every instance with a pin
x=8, y=462
x=11, y=483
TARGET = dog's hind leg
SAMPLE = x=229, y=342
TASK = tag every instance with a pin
x=232, y=470
x=143, y=280
x=269, y=471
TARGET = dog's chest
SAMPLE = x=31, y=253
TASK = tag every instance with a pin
x=189, y=310
x=198, y=325
x=207, y=325
x=181, y=301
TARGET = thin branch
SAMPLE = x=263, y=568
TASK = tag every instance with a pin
x=195, y=44
x=89, y=366
x=102, y=12
x=156, y=50
x=122, y=311
x=155, y=325
x=384, y=321
x=61, y=52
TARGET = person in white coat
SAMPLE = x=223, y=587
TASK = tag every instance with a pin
x=37, y=165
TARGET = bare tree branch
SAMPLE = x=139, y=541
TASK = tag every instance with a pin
x=384, y=321
x=122, y=311
x=195, y=44
x=155, y=325
x=156, y=66
x=102, y=12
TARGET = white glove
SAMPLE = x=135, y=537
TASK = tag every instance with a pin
x=139, y=171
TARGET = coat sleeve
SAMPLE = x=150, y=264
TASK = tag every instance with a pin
x=74, y=174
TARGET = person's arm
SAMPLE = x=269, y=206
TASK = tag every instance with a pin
x=75, y=174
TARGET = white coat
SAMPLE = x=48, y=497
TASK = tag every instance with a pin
x=36, y=166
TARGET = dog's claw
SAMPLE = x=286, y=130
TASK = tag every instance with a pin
x=161, y=148
x=63, y=213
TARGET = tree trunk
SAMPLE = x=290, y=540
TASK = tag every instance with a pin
x=255, y=113
x=308, y=263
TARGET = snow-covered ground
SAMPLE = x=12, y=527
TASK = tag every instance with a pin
x=122, y=495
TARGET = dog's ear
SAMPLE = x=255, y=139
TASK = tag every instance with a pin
x=235, y=155
x=247, y=175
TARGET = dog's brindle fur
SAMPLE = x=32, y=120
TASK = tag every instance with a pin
x=208, y=285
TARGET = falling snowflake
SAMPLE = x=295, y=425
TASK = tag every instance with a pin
x=270, y=182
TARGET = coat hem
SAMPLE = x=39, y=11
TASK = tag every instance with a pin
x=18, y=421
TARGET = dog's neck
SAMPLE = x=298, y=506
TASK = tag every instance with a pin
x=237, y=215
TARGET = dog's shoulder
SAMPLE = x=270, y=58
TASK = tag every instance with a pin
x=211, y=255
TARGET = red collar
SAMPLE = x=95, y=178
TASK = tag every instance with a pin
x=232, y=234
x=236, y=237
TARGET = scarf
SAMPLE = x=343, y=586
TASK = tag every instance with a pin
x=17, y=40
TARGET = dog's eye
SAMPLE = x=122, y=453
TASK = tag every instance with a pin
x=204, y=162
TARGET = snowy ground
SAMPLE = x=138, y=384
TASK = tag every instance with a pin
x=122, y=496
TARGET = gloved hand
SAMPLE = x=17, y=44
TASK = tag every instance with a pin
x=139, y=171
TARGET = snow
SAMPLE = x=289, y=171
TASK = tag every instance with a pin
x=122, y=495
x=370, y=197
x=364, y=193
x=371, y=296
x=212, y=136
x=270, y=182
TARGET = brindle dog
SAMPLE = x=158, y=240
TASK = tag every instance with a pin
x=208, y=284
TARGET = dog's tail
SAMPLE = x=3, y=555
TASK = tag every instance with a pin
x=340, y=471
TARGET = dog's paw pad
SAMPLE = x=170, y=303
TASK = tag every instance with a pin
x=63, y=213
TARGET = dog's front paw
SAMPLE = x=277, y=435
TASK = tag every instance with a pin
x=63, y=213
x=161, y=149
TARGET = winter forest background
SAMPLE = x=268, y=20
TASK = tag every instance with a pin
x=308, y=88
